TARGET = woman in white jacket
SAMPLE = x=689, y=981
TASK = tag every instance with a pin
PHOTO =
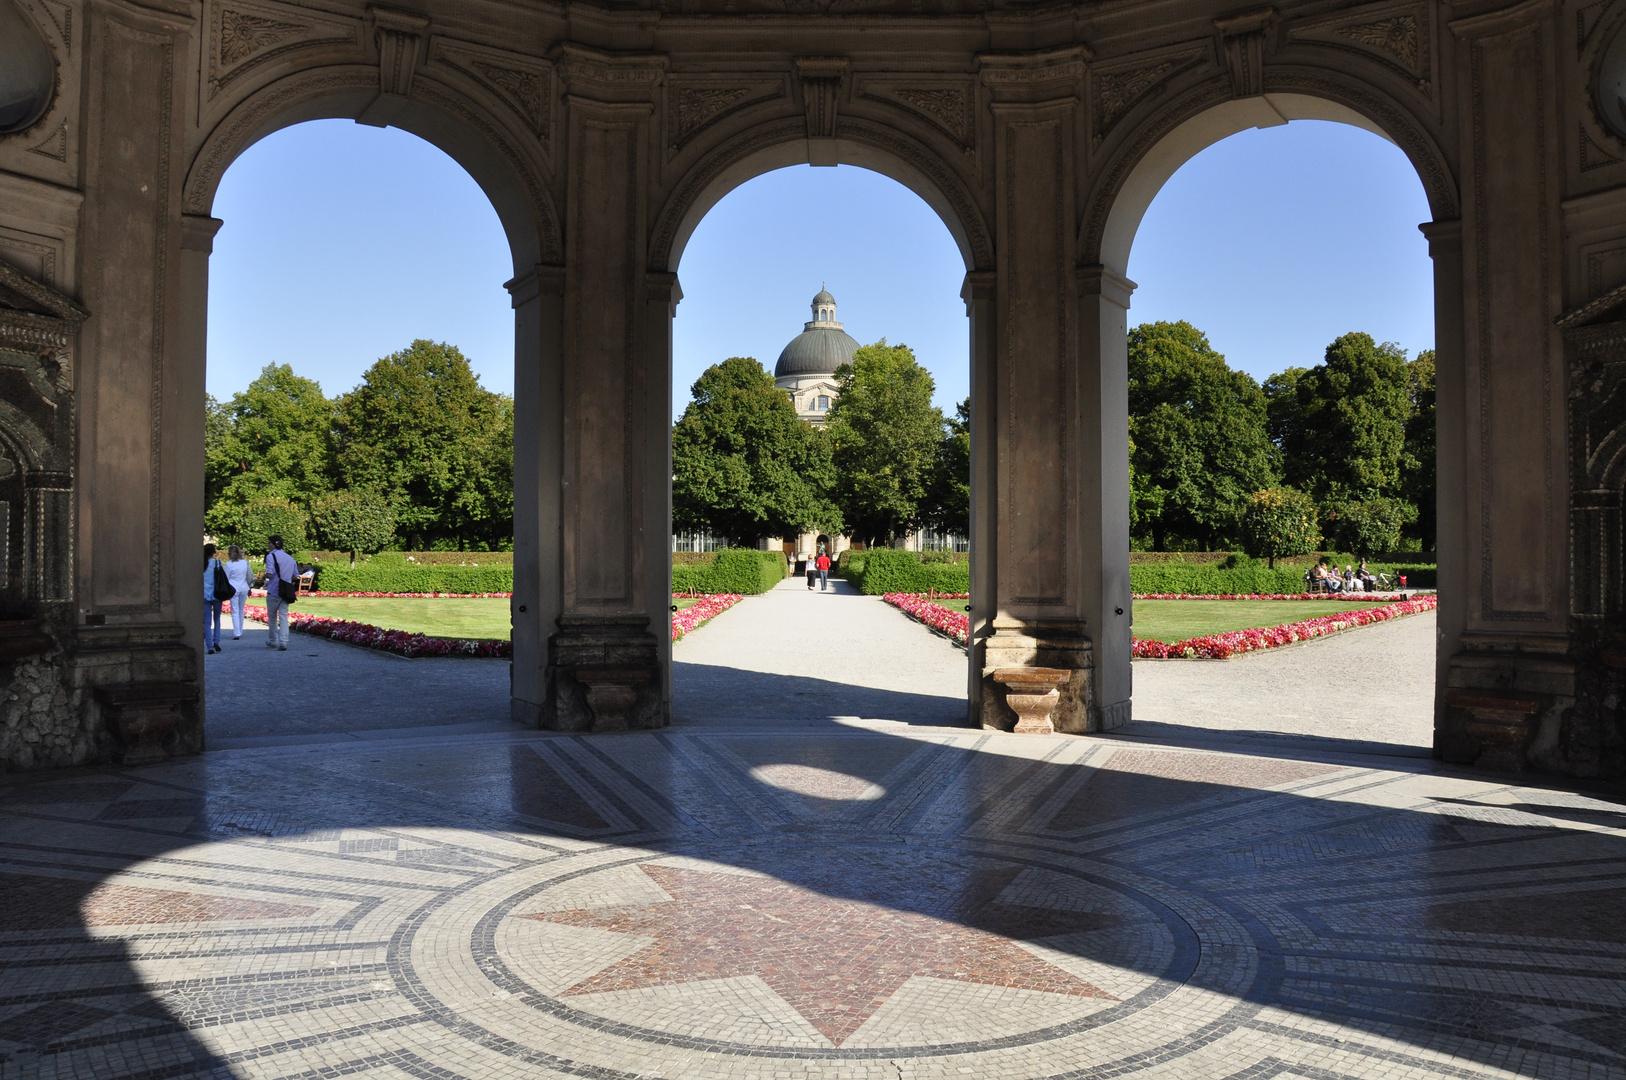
x=238, y=573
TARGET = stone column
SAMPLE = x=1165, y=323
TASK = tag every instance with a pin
x=1451, y=459
x=538, y=299
x=661, y=295
x=1061, y=549
x=1516, y=632
x=137, y=531
x=981, y=295
x=605, y=656
x=191, y=363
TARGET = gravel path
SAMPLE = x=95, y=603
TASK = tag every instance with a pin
x=791, y=654
x=255, y=696
x=1369, y=689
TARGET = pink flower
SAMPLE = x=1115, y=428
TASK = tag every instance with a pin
x=709, y=607
x=1221, y=646
x=396, y=641
x=955, y=625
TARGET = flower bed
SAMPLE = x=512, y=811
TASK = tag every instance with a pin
x=954, y=625
x=710, y=606
x=398, y=642
x=1369, y=598
x=414, y=595
x=1222, y=646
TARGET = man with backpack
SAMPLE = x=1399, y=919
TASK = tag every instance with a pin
x=281, y=586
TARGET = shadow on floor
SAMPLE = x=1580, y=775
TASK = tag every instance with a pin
x=704, y=694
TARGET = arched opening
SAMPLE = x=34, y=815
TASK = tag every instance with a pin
x=361, y=385
x=819, y=322
x=1281, y=365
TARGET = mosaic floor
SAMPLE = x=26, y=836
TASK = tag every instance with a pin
x=853, y=901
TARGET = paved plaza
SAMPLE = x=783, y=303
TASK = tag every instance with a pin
x=844, y=900
x=790, y=882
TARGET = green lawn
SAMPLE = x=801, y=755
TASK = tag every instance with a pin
x=1177, y=620
x=436, y=616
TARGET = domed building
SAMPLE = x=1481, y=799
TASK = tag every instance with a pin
x=807, y=367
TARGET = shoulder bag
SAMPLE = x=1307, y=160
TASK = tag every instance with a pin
x=288, y=590
x=224, y=590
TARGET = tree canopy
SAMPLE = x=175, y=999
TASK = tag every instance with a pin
x=422, y=432
x=948, y=503
x=1197, y=430
x=1342, y=424
x=744, y=464
x=885, y=435
x=272, y=441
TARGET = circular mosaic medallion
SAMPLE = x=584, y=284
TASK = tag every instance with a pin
x=822, y=950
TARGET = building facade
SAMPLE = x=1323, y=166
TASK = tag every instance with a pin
x=602, y=134
x=806, y=369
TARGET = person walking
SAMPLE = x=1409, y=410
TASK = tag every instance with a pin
x=211, y=605
x=279, y=568
x=823, y=563
x=812, y=572
x=239, y=574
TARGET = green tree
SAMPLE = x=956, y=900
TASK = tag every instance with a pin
x=1342, y=426
x=1279, y=523
x=885, y=434
x=1197, y=431
x=421, y=431
x=744, y=464
x=272, y=441
x=948, y=503
x=262, y=519
x=360, y=522
x=1417, y=480
x=1367, y=526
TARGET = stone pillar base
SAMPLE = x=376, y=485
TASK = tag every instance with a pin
x=146, y=717
x=1040, y=644
x=605, y=675
x=1505, y=710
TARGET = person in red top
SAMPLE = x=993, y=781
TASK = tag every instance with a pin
x=823, y=563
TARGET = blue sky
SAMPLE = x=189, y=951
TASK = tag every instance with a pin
x=343, y=243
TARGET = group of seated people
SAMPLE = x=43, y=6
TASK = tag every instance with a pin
x=1324, y=577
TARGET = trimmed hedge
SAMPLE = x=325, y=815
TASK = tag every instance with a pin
x=734, y=570
x=399, y=577
x=884, y=570
x=1199, y=580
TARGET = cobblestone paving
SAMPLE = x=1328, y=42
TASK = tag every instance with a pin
x=843, y=900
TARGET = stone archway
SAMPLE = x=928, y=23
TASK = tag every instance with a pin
x=1024, y=127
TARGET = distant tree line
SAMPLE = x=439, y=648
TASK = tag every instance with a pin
x=1340, y=454
x=886, y=463
x=419, y=456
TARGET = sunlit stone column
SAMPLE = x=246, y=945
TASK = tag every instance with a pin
x=605, y=654
x=197, y=243
x=1052, y=415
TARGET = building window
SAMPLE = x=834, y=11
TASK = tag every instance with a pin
x=824, y=402
x=703, y=540
x=932, y=540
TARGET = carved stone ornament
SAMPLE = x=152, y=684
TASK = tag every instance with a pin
x=1243, y=39
x=399, y=36
x=1396, y=35
x=693, y=107
x=524, y=84
x=821, y=91
x=36, y=319
x=244, y=37
x=1117, y=91
x=947, y=105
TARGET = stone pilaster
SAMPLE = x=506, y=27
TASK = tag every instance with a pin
x=1041, y=438
x=614, y=410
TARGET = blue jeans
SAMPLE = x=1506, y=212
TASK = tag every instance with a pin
x=824, y=579
x=211, y=618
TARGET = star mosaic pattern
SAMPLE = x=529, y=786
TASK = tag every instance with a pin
x=835, y=961
x=859, y=901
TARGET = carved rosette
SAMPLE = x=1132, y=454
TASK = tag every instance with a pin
x=524, y=84
x=949, y=105
x=693, y=105
x=1117, y=88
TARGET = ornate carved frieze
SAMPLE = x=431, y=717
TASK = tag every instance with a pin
x=1117, y=88
x=38, y=320
x=244, y=36
x=1243, y=41
x=609, y=77
x=1396, y=37
x=948, y=104
x=1015, y=71
x=692, y=105
x=525, y=84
